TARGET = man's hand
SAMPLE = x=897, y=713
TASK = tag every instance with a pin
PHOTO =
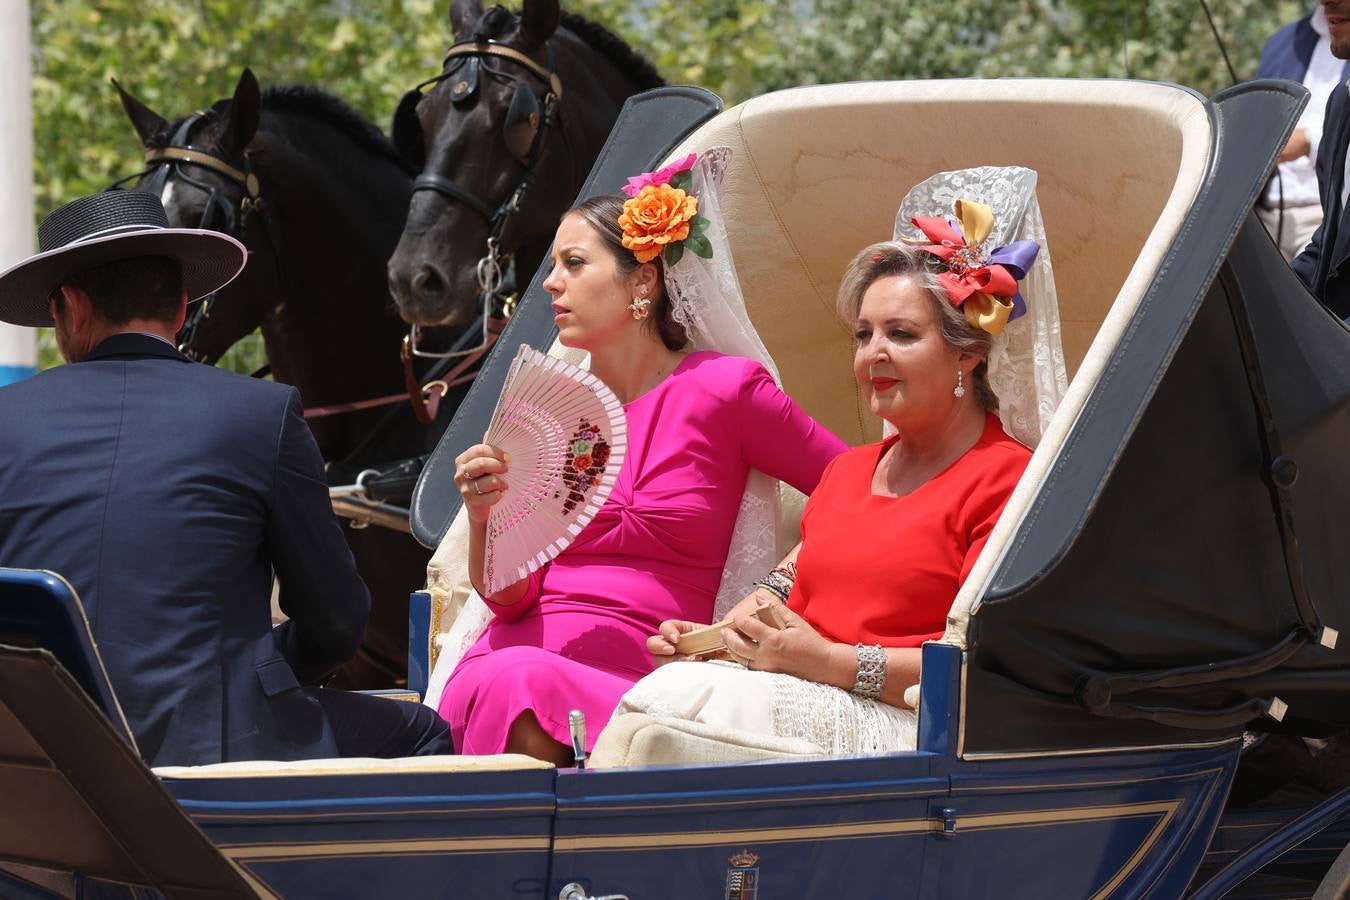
x=1297, y=147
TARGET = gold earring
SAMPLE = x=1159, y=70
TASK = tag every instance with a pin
x=640, y=305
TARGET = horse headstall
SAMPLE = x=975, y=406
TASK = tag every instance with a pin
x=218, y=213
x=527, y=118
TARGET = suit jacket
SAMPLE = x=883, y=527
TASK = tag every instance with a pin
x=1287, y=53
x=1322, y=264
x=168, y=493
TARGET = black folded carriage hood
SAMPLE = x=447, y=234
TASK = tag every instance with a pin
x=1181, y=572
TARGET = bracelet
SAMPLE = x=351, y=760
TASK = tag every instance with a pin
x=779, y=581
x=871, y=677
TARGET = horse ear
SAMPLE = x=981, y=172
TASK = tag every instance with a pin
x=242, y=119
x=405, y=132
x=464, y=14
x=148, y=124
x=538, y=21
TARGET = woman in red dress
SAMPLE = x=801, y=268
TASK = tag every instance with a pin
x=890, y=533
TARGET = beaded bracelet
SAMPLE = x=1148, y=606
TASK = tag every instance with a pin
x=871, y=677
x=779, y=581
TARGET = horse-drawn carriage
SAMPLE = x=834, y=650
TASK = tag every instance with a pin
x=1164, y=579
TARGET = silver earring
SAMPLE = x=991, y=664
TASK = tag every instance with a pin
x=639, y=307
x=960, y=389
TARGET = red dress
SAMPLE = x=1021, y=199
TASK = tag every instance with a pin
x=885, y=570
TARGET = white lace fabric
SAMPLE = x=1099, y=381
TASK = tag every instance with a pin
x=1026, y=362
x=737, y=700
x=838, y=721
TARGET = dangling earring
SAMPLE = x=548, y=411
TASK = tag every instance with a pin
x=960, y=389
x=640, y=305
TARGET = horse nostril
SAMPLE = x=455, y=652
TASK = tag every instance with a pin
x=427, y=285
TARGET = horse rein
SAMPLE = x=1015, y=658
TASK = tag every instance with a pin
x=489, y=267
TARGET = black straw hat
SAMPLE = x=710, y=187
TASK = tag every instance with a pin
x=104, y=228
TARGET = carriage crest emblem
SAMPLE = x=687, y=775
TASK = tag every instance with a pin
x=743, y=876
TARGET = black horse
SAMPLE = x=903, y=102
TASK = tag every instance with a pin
x=505, y=136
x=318, y=196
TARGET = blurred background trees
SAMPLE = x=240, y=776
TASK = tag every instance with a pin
x=178, y=55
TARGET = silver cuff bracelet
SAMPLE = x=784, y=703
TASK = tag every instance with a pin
x=871, y=677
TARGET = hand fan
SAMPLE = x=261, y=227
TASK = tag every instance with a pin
x=566, y=433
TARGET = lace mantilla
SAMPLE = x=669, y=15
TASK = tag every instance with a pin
x=706, y=298
x=1026, y=362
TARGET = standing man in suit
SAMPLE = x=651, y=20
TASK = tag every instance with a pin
x=1291, y=207
x=1322, y=263
x=170, y=493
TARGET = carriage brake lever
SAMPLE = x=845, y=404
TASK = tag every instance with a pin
x=576, y=726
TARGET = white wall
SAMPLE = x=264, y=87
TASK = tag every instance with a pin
x=18, y=346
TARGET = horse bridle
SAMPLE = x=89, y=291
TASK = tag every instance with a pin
x=166, y=161
x=489, y=268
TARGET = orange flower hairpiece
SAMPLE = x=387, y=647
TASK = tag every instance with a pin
x=661, y=218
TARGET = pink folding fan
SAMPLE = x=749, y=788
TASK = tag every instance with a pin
x=565, y=432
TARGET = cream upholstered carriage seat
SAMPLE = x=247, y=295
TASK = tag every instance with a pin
x=817, y=173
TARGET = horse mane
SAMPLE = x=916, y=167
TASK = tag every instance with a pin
x=308, y=100
x=613, y=48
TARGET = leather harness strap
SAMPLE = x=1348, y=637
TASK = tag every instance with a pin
x=442, y=185
x=425, y=399
x=248, y=181
x=487, y=48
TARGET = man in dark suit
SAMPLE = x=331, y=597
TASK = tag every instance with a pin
x=1322, y=263
x=170, y=493
x=1300, y=51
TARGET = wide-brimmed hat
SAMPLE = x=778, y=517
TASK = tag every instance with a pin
x=104, y=228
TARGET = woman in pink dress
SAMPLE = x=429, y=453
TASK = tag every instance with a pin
x=572, y=636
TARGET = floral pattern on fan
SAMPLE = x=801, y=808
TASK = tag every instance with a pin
x=565, y=434
x=590, y=452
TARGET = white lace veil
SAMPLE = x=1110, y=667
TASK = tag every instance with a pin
x=706, y=299
x=1026, y=361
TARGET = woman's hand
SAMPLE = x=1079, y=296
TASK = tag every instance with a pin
x=478, y=473
x=662, y=644
x=795, y=649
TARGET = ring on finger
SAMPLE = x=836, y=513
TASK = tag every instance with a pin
x=476, y=489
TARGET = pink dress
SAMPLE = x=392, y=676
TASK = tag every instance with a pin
x=655, y=551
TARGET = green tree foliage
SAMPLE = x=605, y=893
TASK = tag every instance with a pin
x=743, y=49
x=178, y=55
